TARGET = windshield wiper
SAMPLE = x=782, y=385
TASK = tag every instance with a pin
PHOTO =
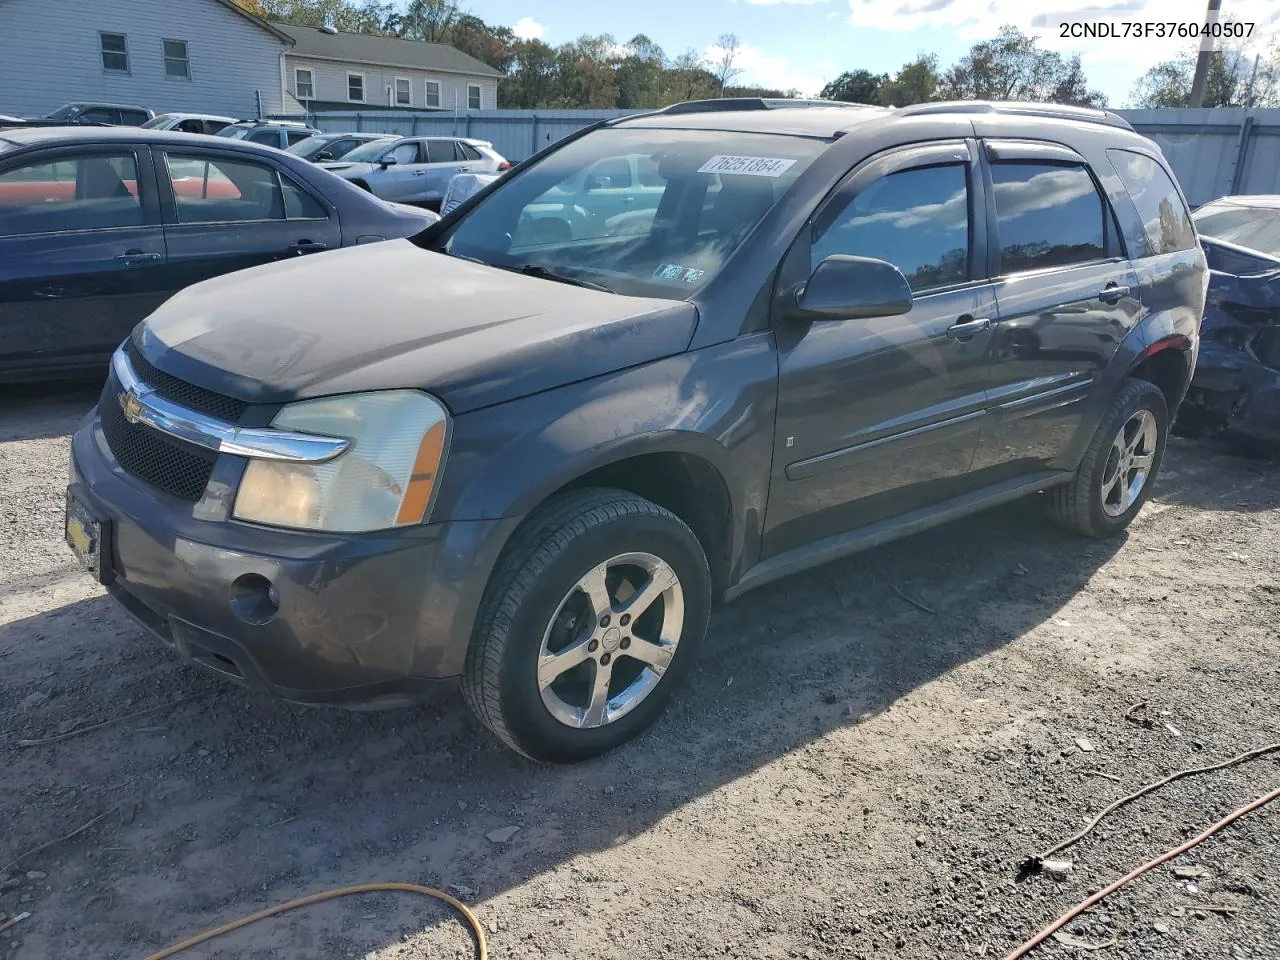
x=538, y=270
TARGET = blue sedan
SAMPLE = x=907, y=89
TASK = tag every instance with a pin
x=99, y=226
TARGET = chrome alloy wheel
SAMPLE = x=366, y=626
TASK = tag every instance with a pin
x=610, y=641
x=1129, y=463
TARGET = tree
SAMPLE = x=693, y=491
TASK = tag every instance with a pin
x=639, y=73
x=687, y=78
x=1011, y=66
x=856, y=86
x=530, y=78
x=1231, y=81
x=723, y=66
x=916, y=82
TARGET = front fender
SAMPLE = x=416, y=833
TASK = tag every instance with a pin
x=716, y=404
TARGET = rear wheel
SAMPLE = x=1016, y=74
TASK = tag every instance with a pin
x=1120, y=465
x=588, y=625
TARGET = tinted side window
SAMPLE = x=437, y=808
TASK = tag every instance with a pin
x=1047, y=215
x=99, y=116
x=78, y=193
x=269, y=137
x=441, y=151
x=296, y=136
x=468, y=152
x=1164, y=215
x=298, y=204
x=224, y=191
x=133, y=118
x=917, y=219
x=615, y=170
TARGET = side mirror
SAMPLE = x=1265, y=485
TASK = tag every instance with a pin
x=390, y=160
x=323, y=156
x=852, y=288
x=595, y=182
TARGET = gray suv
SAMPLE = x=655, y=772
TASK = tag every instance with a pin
x=416, y=169
x=533, y=463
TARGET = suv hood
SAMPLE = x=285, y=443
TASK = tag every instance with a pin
x=392, y=315
x=344, y=169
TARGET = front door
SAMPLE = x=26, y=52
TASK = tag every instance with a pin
x=82, y=256
x=1066, y=297
x=882, y=416
x=401, y=179
x=226, y=214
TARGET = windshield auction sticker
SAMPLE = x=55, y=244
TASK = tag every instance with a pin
x=747, y=166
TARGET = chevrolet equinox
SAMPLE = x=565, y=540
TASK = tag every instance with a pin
x=668, y=359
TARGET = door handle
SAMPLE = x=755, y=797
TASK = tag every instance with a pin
x=464, y=169
x=130, y=257
x=308, y=246
x=1113, y=293
x=967, y=327
x=419, y=173
x=49, y=292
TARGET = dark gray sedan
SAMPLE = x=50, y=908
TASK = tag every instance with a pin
x=99, y=226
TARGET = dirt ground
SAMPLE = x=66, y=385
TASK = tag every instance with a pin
x=846, y=775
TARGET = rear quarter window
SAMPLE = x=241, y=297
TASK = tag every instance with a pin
x=1165, y=218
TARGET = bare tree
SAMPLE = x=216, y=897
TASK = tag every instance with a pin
x=728, y=48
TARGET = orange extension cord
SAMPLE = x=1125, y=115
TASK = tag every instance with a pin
x=482, y=948
x=1080, y=908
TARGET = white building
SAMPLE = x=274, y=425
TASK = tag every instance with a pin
x=205, y=56
x=328, y=70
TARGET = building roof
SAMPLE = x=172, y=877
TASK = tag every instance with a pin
x=258, y=21
x=382, y=51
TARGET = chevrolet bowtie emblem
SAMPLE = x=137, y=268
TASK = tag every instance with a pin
x=131, y=405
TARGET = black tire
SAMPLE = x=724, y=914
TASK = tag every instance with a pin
x=1078, y=505
x=557, y=546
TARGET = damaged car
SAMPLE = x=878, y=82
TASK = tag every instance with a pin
x=1236, y=388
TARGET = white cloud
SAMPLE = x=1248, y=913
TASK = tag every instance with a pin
x=775, y=3
x=527, y=28
x=776, y=72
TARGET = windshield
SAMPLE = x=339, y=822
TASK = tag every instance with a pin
x=643, y=212
x=370, y=152
x=1257, y=228
x=310, y=146
x=159, y=121
x=66, y=112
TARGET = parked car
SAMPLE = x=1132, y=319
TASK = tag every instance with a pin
x=99, y=226
x=1236, y=388
x=93, y=114
x=535, y=465
x=464, y=186
x=270, y=133
x=416, y=169
x=325, y=147
x=189, y=122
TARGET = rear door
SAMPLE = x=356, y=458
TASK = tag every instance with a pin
x=444, y=160
x=82, y=255
x=1066, y=294
x=879, y=417
x=227, y=212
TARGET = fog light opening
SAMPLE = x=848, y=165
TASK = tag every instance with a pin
x=254, y=598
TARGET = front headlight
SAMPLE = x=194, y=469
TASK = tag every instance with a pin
x=384, y=479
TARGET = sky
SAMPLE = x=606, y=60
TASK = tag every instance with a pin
x=805, y=43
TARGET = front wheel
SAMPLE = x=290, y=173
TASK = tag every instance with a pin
x=588, y=625
x=1119, y=466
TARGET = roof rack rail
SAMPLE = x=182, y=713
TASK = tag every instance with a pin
x=1020, y=108
x=750, y=103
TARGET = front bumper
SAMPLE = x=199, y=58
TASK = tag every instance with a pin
x=363, y=620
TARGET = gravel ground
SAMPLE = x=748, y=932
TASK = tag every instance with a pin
x=846, y=775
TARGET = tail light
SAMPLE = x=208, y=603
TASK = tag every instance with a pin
x=504, y=165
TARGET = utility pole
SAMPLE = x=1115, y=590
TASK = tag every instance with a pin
x=1253, y=80
x=1206, y=56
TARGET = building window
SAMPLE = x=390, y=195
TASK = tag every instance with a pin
x=433, y=93
x=355, y=87
x=304, y=87
x=404, y=96
x=115, y=52
x=473, y=96
x=176, y=63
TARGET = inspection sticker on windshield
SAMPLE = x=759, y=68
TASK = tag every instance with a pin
x=673, y=271
x=747, y=166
